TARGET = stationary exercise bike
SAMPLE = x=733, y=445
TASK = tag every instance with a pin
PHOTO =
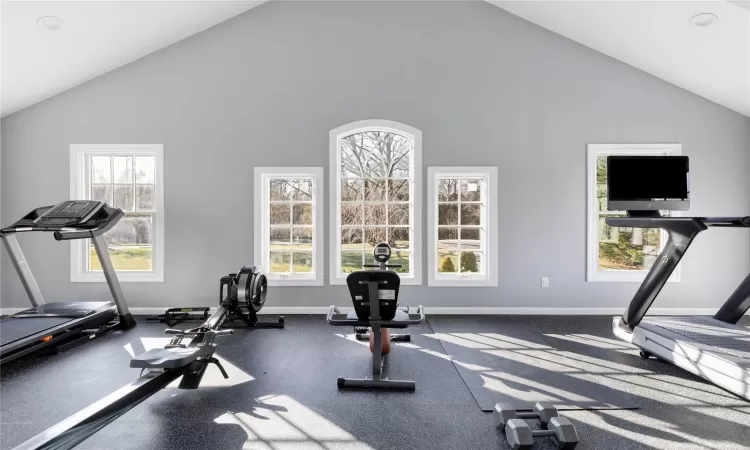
x=382, y=254
x=375, y=295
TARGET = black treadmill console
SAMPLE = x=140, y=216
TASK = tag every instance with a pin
x=70, y=213
x=71, y=219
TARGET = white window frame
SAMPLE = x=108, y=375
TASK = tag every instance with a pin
x=262, y=230
x=489, y=218
x=415, y=194
x=78, y=186
x=593, y=274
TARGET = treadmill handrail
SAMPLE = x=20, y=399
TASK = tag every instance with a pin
x=682, y=231
x=676, y=223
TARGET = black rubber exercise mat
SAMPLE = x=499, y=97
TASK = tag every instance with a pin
x=505, y=362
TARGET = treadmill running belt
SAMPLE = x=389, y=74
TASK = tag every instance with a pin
x=709, y=331
x=14, y=329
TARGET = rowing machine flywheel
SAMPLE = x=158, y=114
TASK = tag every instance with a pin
x=252, y=287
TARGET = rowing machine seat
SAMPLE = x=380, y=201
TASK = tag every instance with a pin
x=170, y=358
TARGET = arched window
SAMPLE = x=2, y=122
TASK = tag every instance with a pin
x=376, y=182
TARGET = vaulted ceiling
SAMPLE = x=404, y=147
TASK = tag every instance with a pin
x=659, y=38
x=96, y=37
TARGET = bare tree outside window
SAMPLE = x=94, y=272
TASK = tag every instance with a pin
x=291, y=225
x=126, y=182
x=460, y=233
x=376, y=187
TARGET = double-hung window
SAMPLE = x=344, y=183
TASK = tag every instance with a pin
x=129, y=177
x=462, y=233
x=617, y=253
x=288, y=239
x=375, y=180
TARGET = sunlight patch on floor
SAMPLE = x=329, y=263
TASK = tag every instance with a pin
x=648, y=431
x=504, y=382
x=486, y=341
x=740, y=416
x=588, y=340
x=492, y=342
x=353, y=338
x=697, y=384
x=145, y=344
x=474, y=367
x=279, y=422
x=577, y=362
x=597, y=365
x=540, y=360
x=605, y=340
x=517, y=341
x=445, y=337
x=438, y=354
x=663, y=390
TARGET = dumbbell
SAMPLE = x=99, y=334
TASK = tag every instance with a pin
x=521, y=437
x=505, y=412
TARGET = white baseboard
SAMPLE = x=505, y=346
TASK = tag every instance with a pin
x=468, y=310
x=290, y=310
x=542, y=311
x=500, y=310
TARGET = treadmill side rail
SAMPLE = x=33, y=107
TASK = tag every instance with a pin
x=737, y=304
x=24, y=271
x=682, y=231
x=111, y=276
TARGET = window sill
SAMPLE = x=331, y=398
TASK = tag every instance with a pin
x=461, y=282
x=635, y=276
x=121, y=277
x=281, y=282
x=405, y=281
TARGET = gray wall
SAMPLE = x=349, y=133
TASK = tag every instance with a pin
x=485, y=88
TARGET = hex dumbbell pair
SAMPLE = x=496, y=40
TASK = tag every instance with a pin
x=520, y=435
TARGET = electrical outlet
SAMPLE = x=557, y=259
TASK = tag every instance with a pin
x=545, y=282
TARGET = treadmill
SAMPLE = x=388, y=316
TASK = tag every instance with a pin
x=59, y=326
x=715, y=348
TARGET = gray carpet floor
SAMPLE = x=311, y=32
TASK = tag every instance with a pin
x=282, y=394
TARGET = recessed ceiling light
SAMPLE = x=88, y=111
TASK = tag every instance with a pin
x=51, y=23
x=704, y=19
